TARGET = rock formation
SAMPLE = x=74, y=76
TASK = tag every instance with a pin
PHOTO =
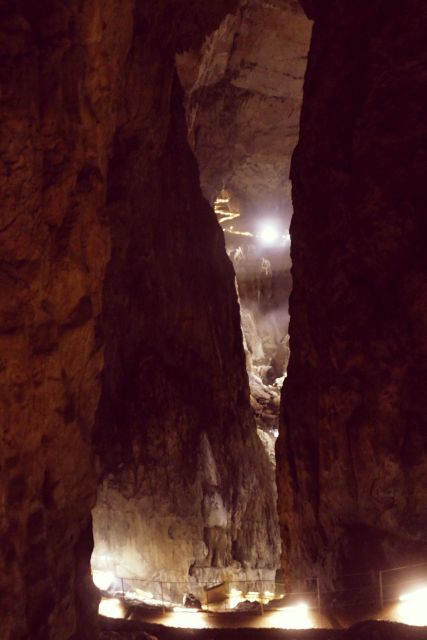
x=352, y=449
x=263, y=298
x=60, y=76
x=174, y=426
x=121, y=355
x=244, y=91
x=95, y=163
x=244, y=97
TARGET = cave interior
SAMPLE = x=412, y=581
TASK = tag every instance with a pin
x=213, y=311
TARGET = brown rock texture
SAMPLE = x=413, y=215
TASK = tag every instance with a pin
x=60, y=75
x=244, y=97
x=263, y=298
x=94, y=162
x=352, y=449
x=190, y=490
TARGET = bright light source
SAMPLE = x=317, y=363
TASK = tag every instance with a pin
x=294, y=617
x=111, y=608
x=412, y=608
x=417, y=595
x=103, y=579
x=234, y=598
x=269, y=234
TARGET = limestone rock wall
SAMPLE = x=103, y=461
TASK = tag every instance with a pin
x=60, y=72
x=352, y=449
x=244, y=97
x=263, y=298
x=89, y=119
x=188, y=487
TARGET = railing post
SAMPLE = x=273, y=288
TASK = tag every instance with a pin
x=261, y=598
x=380, y=580
x=163, y=599
x=318, y=593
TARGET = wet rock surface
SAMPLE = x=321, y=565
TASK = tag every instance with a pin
x=352, y=447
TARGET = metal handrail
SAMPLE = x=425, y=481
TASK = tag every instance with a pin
x=262, y=585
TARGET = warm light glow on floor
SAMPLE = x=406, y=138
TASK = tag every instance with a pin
x=183, y=618
x=295, y=617
x=412, y=607
x=111, y=608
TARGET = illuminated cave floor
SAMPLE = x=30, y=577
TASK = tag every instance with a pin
x=369, y=630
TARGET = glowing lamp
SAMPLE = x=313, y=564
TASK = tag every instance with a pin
x=412, y=607
x=111, y=608
x=103, y=579
x=418, y=595
x=269, y=234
